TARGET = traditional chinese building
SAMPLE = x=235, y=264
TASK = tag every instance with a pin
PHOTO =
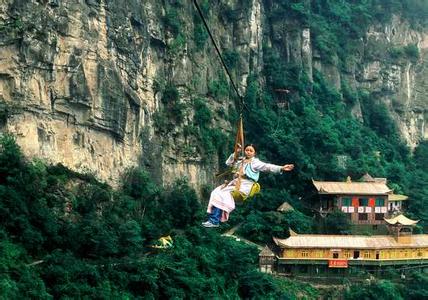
x=366, y=202
x=317, y=254
x=267, y=260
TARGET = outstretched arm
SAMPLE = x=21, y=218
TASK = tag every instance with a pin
x=260, y=166
x=288, y=167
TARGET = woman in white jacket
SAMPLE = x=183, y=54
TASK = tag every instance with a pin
x=221, y=202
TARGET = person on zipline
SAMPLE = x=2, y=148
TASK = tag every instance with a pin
x=221, y=202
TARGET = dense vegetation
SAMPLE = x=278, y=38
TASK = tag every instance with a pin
x=65, y=235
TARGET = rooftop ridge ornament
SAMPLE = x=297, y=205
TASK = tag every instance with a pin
x=292, y=232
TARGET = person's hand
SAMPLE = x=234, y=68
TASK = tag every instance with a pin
x=238, y=147
x=288, y=167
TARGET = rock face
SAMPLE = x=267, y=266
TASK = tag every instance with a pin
x=84, y=82
x=400, y=82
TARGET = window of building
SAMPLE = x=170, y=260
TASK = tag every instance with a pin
x=363, y=217
x=377, y=255
x=305, y=253
x=346, y=201
x=335, y=254
x=347, y=254
x=380, y=202
x=379, y=217
x=363, y=202
x=366, y=254
x=356, y=254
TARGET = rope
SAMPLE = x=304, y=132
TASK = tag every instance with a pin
x=241, y=99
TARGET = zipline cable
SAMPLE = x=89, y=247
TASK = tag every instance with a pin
x=242, y=104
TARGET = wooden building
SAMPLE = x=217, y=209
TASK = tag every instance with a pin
x=395, y=203
x=266, y=260
x=365, y=202
x=318, y=254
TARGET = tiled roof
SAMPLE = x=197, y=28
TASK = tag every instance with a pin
x=401, y=219
x=351, y=188
x=397, y=197
x=285, y=207
x=349, y=241
x=266, y=252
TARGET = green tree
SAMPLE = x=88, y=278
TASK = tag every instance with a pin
x=182, y=205
x=337, y=222
x=416, y=286
x=382, y=289
x=421, y=155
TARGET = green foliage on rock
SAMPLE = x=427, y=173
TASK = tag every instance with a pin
x=218, y=89
x=200, y=36
x=412, y=52
x=172, y=20
x=173, y=111
x=203, y=115
x=231, y=58
x=336, y=25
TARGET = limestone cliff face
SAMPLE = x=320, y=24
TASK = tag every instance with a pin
x=82, y=81
x=398, y=82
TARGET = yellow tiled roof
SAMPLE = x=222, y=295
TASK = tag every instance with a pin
x=397, y=197
x=349, y=241
x=351, y=188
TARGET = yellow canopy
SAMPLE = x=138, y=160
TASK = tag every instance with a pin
x=401, y=219
x=164, y=242
x=397, y=197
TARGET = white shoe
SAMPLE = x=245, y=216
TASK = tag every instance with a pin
x=208, y=224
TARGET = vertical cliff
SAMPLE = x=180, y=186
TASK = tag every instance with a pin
x=102, y=85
